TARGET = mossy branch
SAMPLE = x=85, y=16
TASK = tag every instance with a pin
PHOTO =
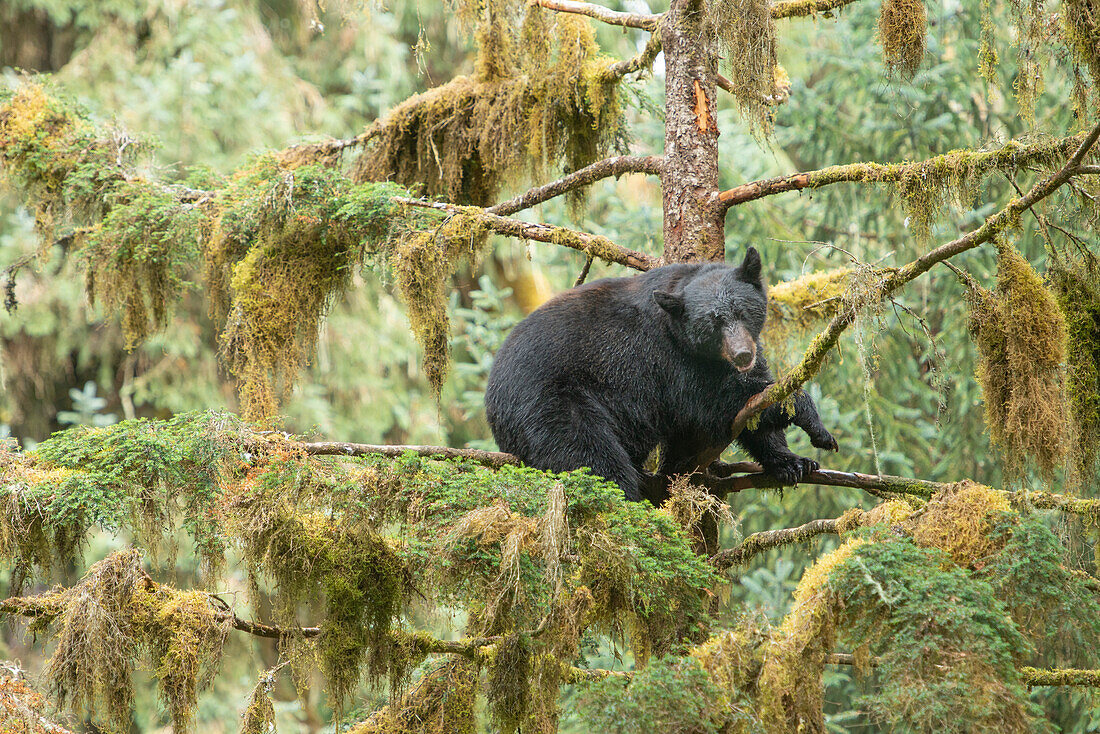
x=494, y=459
x=644, y=21
x=471, y=648
x=586, y=176
x=1012, y=155
x=590, y=244
x=815, y=355
x=799, y=8
x=768, y=539
x=649, y=22
x=722, y=477
x=644, y=60
x=1030, y=676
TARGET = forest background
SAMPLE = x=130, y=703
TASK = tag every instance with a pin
x=212, y=82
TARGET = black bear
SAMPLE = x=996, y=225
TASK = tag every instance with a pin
x=602, y=374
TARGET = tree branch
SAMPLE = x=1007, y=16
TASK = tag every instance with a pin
x=1031, y=676
x=1010, y=154
x=586, y=176
x=722, y=478
x=760, y=542
x=494, y=459
x=606, y=15
x=826, y=340
x=644, y=60
x=592, y=244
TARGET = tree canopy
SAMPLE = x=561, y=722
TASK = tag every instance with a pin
x=240, y=236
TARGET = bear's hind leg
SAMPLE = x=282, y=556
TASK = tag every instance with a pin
x=586, y=438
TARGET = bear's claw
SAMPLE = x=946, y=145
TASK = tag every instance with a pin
x=792, y=469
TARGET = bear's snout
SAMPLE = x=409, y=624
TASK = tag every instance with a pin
x=739, y=348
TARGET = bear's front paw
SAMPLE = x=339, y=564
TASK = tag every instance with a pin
x=822, y=439
x=790, y=469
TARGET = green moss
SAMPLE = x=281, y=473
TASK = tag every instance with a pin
x=139, y=257
x=290, y=240
x=1081, y=19
x=443, y=703
x=508, y=688
x=64, y=167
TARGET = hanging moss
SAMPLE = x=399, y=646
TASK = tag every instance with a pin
x=281, y=251
x=1081, y=20
x=796, y=306
x=423, y=263
x=1021, y=337
x=344, y=571
x=258, y=716
x=746, y=38
x=508, y=688
x=987, y=48
x=186, y=635
x=1032, y=53
x=902, y=27
x=463, y=140
x=925, y=186
x=138, y=258
x=1077, y=288
x=441, y=703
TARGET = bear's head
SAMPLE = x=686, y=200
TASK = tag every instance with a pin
x=719, y=310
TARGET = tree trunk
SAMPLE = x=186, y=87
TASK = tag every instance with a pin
x=693, y=218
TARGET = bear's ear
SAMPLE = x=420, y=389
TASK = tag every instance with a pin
x=750, y=268
x=670, y=302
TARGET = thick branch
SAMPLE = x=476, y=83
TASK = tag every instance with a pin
x=825, y=341
x=586, y=176
x=876, y=484
x=760, y=542
x=591, y=244
x=494, y=459
x=612, y=17
x=1011, y=154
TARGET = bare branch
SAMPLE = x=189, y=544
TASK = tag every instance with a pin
x=826, y=340
x=760, y=542
x=586, y=176
x=1088, y=169
x=612, y=17
x=591, y=244
x=1009, y=154
x=797, y=8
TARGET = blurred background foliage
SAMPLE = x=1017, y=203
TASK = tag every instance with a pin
x=212, y=81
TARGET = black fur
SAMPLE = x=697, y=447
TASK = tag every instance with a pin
x=601, y=374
